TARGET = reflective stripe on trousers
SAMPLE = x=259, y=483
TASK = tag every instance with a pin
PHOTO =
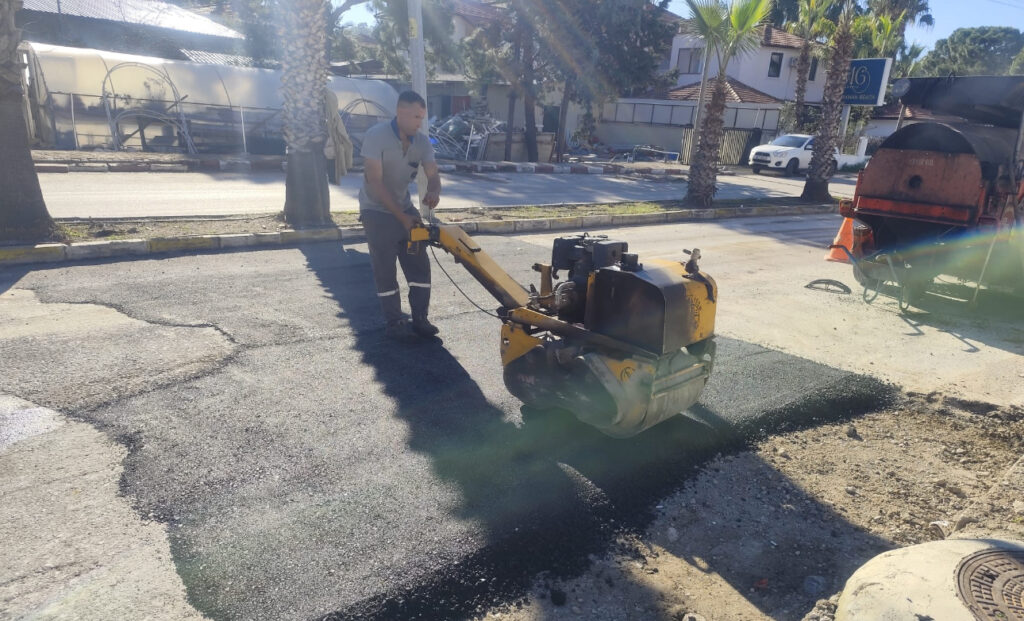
x=388, y=242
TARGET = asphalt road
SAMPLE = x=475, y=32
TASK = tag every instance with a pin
x=304, y=465
x=126, y=195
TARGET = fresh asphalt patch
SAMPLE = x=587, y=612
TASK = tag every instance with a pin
x=326, y=472
x=582, y=488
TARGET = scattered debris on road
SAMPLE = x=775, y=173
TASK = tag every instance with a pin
x=775, y=531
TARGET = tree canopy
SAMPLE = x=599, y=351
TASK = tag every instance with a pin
x=985, y=50
x=1017, y=68
x=258, y=21
x=392, y=32
x=606, y=48
x=912, y=12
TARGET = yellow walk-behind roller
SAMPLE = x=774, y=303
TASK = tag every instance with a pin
x=620, y=344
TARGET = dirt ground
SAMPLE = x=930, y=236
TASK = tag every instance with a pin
x=91, y=230
x=775, y=531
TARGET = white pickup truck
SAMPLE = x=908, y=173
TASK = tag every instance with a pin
x=789, y=152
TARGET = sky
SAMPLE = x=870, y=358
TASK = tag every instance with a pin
x=949, y=15
x=952, y=14
x=360, y=14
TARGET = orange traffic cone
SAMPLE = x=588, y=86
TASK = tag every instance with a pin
x=843, y=238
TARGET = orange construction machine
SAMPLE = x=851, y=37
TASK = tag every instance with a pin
x=945, y=197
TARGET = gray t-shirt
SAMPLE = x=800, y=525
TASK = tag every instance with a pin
x=381, y=142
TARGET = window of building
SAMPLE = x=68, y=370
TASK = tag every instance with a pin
x=775, y=67
x=689, y=60
x=814, y=70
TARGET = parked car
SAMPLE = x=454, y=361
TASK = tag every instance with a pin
x=790, y=153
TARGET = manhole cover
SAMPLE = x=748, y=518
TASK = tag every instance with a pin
x=991, y=582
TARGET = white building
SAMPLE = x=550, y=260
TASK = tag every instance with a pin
x=770, y=69
x=759, y=83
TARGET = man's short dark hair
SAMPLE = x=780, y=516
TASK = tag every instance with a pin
x=412, y=97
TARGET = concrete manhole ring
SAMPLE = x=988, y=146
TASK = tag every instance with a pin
x=991, y=583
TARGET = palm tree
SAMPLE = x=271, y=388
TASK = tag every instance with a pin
x=914, y=12
x=887, y=34
x=728, y=30
x=303, y=31
x=816, y=186
x=812, y=24
x=906, y=60
x=23, y=214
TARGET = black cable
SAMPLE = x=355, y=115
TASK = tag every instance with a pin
x=1004, y=3
x=482, y=309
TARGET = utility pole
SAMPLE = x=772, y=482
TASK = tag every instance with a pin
x=417, y=53
x=418, y=68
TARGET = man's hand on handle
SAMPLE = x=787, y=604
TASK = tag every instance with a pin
x=433, y=195
x=432, y=198
x=409, y=221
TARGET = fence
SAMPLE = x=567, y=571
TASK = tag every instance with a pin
x=736, y=144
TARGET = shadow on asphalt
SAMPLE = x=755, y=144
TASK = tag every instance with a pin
x=777, y=186
x=503, y=189
x=997, y=320
x=549, y=490
x=771, y=542
x=11, y=276
x=797, y=229
x=259, y=177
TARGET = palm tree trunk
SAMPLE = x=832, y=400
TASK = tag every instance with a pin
x=303, y=80
x=803, y=68
x=509, y=132
x=480, y=106
x=530, y=99
x=530, y=118
x=704, y=169
x=816, y=186
x=23, y=214
x=563, y=113
x=514, y=87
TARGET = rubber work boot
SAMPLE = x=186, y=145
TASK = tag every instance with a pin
x=424, y=328
x=398, y=330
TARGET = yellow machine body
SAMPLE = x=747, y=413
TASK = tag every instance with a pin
x=621, y=345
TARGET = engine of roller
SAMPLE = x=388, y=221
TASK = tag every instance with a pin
x=620, y=343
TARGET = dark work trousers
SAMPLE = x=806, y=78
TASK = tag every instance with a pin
x=332, y=172
x=388, y=240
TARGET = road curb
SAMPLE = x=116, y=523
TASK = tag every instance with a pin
x=42, y=167
x=241, y=165
x=36, y=253
x=90, y=250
